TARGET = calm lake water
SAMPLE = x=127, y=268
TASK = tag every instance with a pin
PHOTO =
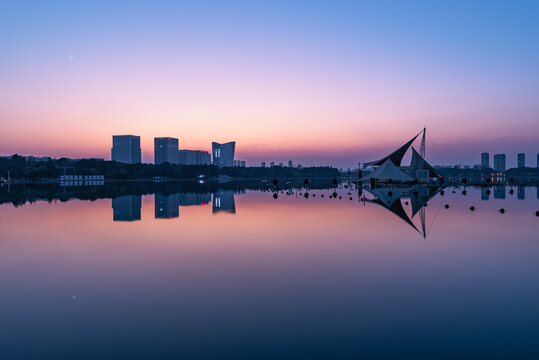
x=238, y=274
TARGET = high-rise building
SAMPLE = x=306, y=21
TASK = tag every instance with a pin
x=126, y=208
x=499, y=162
x=485, y=160
x=263, y=164
x=167, y=206
x=188, y=199
x=521, y=160
x=289, y=163
x=165, y=149
x=223, y=201
x=521, y=192
x=126, y=149
x=499, y=192
x=272, y=164
x=195, y=157
x=223, y=154
x=281, y=164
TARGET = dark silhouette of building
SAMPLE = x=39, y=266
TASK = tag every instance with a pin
x=499, y=162
x=194, y=157
x=521, y=160
x=189, y=199
x=126, y=149
x=167, y=206
x=521, y=192
x=485, y=160
x=223, y=201
x=126, y=208
x=499, y=192
x=223, y=154
x=165, y=150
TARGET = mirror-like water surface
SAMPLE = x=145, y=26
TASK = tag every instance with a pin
x=232, y=273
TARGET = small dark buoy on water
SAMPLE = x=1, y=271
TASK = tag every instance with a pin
x=406, y=202
x=487, y=192
x=340, y=197
x=472, y=208
x=275, y=196
x=502, y=210
x=511, y=191
x=537, y=213
x=350, y=198
x=442, y=193
x=447, y=206
x=464, y=192
x=322, y=195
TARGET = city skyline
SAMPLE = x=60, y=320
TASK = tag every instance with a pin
x=320, y=84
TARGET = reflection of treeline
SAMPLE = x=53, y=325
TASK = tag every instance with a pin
x=21, y=167
x=20, y=194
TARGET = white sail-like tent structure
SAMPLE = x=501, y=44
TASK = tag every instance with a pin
x=388, y=172
x=388, y=169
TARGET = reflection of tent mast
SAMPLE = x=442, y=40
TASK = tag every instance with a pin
x=422, y=153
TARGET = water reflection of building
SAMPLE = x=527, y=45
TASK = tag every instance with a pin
x=167, y=206
x=187, y=199
x=521, y=192
x=126, y=208
x=499, y=192
x=223, y=201
x=485, y=193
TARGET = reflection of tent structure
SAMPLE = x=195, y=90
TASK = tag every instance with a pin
x=392, y=203
x=388, y=167
x=390, y=198
x=388, y=172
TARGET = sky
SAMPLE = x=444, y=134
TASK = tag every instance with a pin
x=316, y=82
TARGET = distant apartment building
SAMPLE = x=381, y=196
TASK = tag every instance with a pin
x=167, y=206
x=499, y=162
x=272, y=164
x=195, y=157
x=126, y=149
x=485, y=160
x=239, y=163
x=263, y=164
x=165, y=150
x=223, y=154
x=289, y=163
x=126, y=208
x=521, y=160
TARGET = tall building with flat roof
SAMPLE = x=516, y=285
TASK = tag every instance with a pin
x=521, y=160
x=126, y=149
x=126, y=208
x=263, y=163
x=165, y=149
x=485, y=160
x=499, y=162
x=195, y=157
x=223, y=154
x=289, y=163
x=167, y=206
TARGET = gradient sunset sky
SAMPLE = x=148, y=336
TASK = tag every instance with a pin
x=318, y=82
